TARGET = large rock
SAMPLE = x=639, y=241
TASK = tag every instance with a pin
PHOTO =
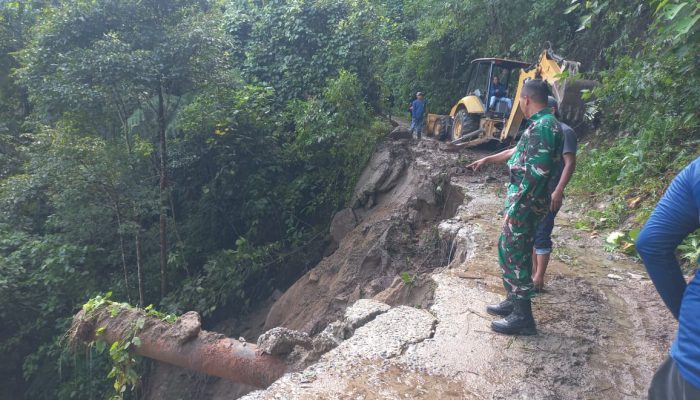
x=400, y=132
x=343, y=222
x=361, y=312
x=279, y=341
x=186, y=328
x=382, y=174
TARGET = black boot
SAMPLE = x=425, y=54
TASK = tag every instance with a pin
x=519, y=322
x=503, y=308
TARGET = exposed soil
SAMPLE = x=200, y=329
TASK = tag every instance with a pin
x=603, y=330
x=398, y=200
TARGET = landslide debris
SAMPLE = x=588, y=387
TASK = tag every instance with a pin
x=398, y=199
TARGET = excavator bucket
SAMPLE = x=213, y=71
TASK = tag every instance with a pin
x=567, y=90
x=572, y=107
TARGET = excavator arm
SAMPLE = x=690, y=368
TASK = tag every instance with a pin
x=549, y=67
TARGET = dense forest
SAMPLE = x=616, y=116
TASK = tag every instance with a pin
x=190, y=154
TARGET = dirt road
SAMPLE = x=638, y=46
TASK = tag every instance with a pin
x=602, y=328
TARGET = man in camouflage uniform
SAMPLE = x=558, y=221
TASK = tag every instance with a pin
x=535, y=159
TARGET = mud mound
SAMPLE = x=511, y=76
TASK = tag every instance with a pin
x=397, y=196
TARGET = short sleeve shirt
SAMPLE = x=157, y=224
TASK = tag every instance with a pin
x=536, y=160
x=418, y=109
x=570, y=146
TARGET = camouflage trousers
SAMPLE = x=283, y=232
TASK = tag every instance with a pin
x=515, y=257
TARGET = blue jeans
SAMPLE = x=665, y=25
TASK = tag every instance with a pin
x=417, y=126
x=492, y=101
x=543, y=234
x=668, y=383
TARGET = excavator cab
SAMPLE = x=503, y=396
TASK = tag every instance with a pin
x=485, y=74
x=480, y=109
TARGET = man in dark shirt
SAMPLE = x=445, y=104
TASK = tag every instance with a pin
x=498, y=92
x=417, y=113
x=676, y=216
x=543, y=237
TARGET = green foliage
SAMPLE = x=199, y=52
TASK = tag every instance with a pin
x=651, y=98
x=294, y=46
x=126, y=368
x=230, y=278
x=690, y=251
x=40, y=278
x=82, y=204
x=407, y=278
x=677, y=25
x=334, y=126
x=622, y=241
x=16, y=18
x=124, y=371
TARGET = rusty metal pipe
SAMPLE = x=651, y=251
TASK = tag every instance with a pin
x=183, y=344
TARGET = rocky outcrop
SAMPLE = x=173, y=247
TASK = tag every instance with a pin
x=384, y=171
x=281, y=341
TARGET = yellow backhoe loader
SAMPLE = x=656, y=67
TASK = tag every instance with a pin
x=472, y=122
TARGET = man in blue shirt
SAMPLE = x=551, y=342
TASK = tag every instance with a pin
x=676, y=216
x=417, y=113
x=498, y=92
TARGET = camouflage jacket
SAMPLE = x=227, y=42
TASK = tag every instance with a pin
x=537, y=157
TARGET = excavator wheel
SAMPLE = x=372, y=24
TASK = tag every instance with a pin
x=443, y=127
x=463, y=124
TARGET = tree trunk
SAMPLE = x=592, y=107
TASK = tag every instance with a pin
x=163, y=193
x=183, y=344
x=123, y=253
x=139, y=270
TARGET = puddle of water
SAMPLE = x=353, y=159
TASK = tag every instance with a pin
x=393, y=382
x=615, y=358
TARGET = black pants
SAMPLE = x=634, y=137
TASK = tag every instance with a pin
x=668, y=384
